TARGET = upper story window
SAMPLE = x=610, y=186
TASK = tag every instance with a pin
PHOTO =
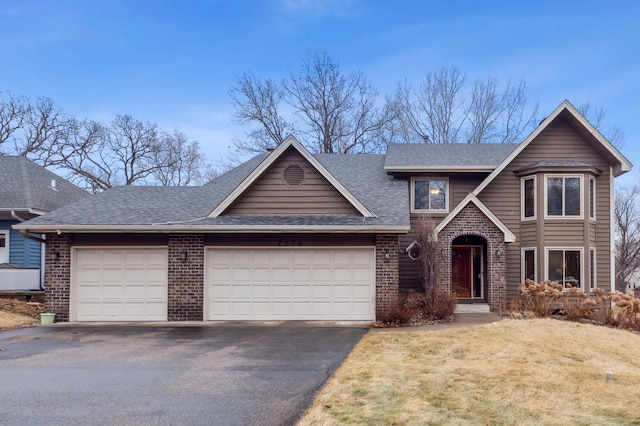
x=563, y=196
x=430, y=194
x=528, y=197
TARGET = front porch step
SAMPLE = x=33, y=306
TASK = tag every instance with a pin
x=472, y=308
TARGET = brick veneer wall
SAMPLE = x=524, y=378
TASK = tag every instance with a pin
x=186, y=278
x=57, y=275
x=471, y=221
x=387, y=274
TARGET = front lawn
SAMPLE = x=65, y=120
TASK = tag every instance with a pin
x=540, y=371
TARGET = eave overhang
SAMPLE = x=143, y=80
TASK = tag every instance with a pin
x=240, y=229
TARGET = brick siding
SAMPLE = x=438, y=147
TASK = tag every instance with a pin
x=186, y=278
x=57, y=275
x=471, y=221
x=387, y=274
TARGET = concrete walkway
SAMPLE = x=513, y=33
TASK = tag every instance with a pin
x=461, y=320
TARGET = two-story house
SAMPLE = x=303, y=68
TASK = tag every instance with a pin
x=292, y=235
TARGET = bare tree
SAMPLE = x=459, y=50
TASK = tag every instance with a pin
x=337, y=112
x=96, y=155
x=32, y=130
x=259, y=102
x=596, y=116
x=180, y=161
x=12, y=114
x=440, y=112
x=627, y=230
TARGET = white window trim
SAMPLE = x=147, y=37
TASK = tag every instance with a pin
x=593, y=269
x=595, y=198
x=7, y=247
x=535, y=198
x=535, y=263
x=413, y=194
x=546, y=197
x=546, y=262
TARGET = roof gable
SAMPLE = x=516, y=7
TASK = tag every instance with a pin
x=509, y=236
x=621, y=164
x=269, y=161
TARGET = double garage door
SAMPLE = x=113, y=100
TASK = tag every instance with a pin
x=240, y=284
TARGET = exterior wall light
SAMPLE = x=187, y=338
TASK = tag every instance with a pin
x=183, y=256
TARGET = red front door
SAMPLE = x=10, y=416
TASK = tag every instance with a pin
x=461, y=271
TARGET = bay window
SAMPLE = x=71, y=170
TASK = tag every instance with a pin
x=563, y=196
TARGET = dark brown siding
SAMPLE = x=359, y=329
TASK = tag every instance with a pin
x=306, y=240
x=270, y=194
x=558, y=142
x=119, y=240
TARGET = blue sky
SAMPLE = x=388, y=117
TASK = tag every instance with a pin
x=173, y=62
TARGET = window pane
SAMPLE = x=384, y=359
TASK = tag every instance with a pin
x=554, y=196
x=437, y=192
x=592, y=201
x=572, y=268
x=529, y=265
x=528, y=198
x=555, y=265
x=592, y=268
x=572, y=196
x=420, y=195
x=3, y=241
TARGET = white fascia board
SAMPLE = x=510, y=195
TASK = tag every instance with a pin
x=119, y=229
x=625, y=164
x=509, y=237
x=290, y=141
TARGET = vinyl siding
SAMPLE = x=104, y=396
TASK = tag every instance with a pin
x=295, y=240
x=22, y=251
x=270, y=194
x=558, y=142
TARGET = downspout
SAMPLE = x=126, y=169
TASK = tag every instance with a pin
x=25, y=233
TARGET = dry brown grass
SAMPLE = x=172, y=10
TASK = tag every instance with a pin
x=539, y=371
x=13, y=320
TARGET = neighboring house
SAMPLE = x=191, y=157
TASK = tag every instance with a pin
x=633, y=285
x=27, y=191
x=291, y=235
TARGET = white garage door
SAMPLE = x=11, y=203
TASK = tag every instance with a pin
x=291, y=284
x=120, y=284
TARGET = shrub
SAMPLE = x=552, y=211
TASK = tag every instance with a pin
x=537, y=298
x=577, y=305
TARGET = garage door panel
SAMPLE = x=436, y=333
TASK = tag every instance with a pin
x=120, y=284
x=297, y=283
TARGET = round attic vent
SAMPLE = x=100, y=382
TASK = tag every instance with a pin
x=293, y=175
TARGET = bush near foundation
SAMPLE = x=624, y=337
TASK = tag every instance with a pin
x=540, y=300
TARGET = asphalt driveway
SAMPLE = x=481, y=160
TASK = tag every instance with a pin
x=166, y=375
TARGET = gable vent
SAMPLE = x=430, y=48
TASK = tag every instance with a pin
x=293, y=175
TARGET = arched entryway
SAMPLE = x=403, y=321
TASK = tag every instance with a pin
x=469, y=267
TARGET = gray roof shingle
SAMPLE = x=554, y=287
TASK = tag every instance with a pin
x=27, y=186
x=425, y=156
x=363, y=175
